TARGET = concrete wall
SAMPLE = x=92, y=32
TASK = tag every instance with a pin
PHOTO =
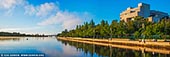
x=142, y=10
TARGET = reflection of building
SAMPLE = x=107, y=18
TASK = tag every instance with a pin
x=144, y=11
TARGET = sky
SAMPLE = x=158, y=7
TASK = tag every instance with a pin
x=53, y=16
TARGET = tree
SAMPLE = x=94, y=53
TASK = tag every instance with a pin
x=148, y=31
x=137, y=34
x=138, y=27
x=121, y=29
x=113, y=28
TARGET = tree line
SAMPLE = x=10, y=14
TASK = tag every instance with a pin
x=137, y=28
x=19, y=34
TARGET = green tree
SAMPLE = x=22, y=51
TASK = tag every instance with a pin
x=113, y=28
x=137, y=34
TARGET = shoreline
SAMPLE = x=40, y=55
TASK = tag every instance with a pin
x=159, y=47
x=15, y=36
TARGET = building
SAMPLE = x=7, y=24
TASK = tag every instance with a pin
x=142, y=10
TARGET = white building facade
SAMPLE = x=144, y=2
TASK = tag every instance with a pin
x=142, y=10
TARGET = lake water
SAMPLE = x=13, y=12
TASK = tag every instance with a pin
x=51, y=47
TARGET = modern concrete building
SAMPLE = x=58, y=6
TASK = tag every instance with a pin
x=144, y=11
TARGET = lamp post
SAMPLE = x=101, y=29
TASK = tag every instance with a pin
x=143, y=26
x=110, y=33
x=94, y=34
x=165, y=28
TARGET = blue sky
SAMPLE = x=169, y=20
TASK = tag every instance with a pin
x=53, y=16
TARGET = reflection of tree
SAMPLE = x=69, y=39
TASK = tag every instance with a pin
x=4, y=39
x=104, y=51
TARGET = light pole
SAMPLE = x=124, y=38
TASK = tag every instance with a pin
x=165, y=28
x=143, y=25
x=94, y=34
x=110, y=33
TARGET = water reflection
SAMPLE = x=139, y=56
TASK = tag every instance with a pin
x=7, y=39
x=108, y=51
x=52, y=47
x=43, y=45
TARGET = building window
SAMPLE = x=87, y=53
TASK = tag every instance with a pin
x=132, y=11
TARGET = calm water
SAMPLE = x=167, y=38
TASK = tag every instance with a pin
x=51, y=47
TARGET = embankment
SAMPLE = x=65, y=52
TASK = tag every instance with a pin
x=159, y=47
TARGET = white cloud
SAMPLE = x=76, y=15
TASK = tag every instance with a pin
x=51, y=13
x=41, y=10
x=46, y=9
x=67, y=19
x=9, y=5
x=30, y=9
x=18, y=29
x=27, y=30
